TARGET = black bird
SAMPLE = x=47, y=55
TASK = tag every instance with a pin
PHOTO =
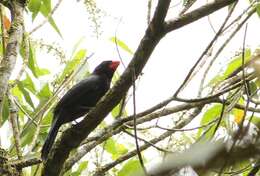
x=79, y=99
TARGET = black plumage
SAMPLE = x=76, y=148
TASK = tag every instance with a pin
x=79, y=99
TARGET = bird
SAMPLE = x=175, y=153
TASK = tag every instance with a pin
x=79, y=100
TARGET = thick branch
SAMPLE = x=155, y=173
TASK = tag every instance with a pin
x=80, y=131
x=196, y=14
x=15, y=36
x=25, y=163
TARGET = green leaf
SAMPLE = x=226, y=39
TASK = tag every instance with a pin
x=32, y=61
x=211, y=114
x=115, y=77
x=131, y=168
x=82, y=166
x=237, y=62
x=1, y=48
x=234, y=64
x=121, y=44
x=257, y=82
x=76, y=46
x=74, y=174
x=5, y=110
x=47, y=4
x=258, y=9
x=45, y=92
x=25, y=93
x=252, y=87
x=42, y=71
x=256, y=120
x=28, y=137
x=28, y=83
x=34, y=6
x=114, y=148
x=72, y=64
x=32, y=64
x=115, y=110
x=47, y=119
x=53, y=24
x=45, y=11
x=68, y=173
x=17, y=93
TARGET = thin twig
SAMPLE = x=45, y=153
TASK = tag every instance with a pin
x=24, y=112
x=132, y=153
x=218, y=33
x=16, y=133
x=187, y=6
x=240, y=129
x=180, y=124
x=122, y=107
x=135, y=131
x=243, y=65
x=188, y=129
x=26, y=48
x=231, y=36
x=35, y=138
x=211, y=25
x=220, y=118
x=187, y=78
x=117, y=49
x=239, y=17
x=147, y=142
x=149, y=8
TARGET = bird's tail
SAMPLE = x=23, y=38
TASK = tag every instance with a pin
x=50, y=139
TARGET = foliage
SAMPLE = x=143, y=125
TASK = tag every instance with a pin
x=44, y=7
x=95, y=16
x=38, y=87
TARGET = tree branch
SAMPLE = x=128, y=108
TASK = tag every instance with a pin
x=80, y=131
x=196, y=14
x=15, y=37
x=180, y=124
x=25, y=162
x=13, y=120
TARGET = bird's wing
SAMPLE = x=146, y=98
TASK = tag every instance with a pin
x=90, y=84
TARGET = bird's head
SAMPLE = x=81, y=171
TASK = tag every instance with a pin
x=106, y=67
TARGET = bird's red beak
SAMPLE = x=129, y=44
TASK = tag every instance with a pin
x=114, y=65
